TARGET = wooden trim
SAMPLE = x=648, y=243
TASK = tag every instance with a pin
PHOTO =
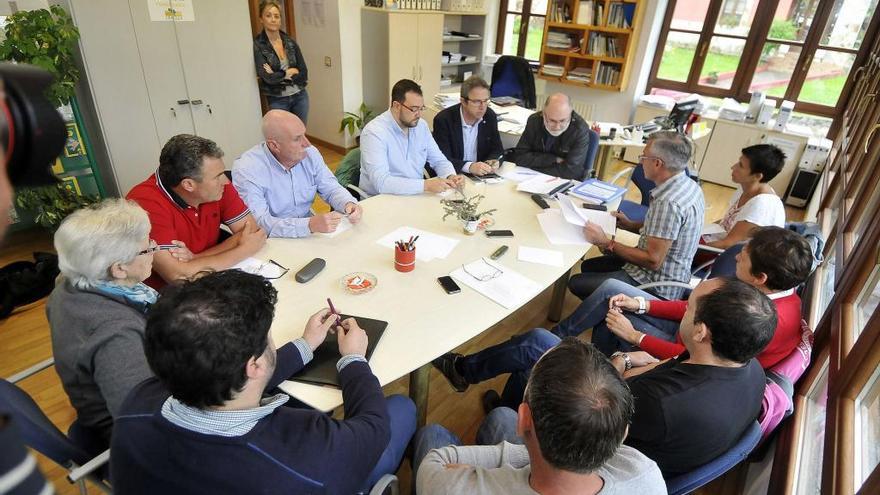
x=871, y=485
x=661, y=44
x=335, y=147
x=499, y=33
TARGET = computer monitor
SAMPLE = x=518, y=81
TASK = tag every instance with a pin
x=680, y=114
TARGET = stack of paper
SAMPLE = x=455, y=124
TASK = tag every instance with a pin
x=552, y=70
x=428, y=247
x=576, y=215
x=521, y=174
x=446, y=100
x=580, y=74
x=560, y=232
x=542, y=184
x=497, y=282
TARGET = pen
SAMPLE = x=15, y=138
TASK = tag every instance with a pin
x=559, y=188
x=333, y=311
x=412, y=243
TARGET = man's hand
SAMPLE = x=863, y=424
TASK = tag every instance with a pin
x=640, y=359
x=623, y=221
x=595, y=235
x=325, y=222
x=456, y=180
x=353, y=340
x=623, y=301
x=437, y=185
x=181, y=252
x=354, y=212
x=622, y=327
x=317, y=327
x=480, y=168
x=253, y=238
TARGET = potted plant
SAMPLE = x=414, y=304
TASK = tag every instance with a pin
x=52, y=204
x=465, y=210
x=355, y=122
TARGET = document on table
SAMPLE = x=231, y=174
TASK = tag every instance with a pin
x=344, y=225
x=428, y=247
x=540, y=256
x=559, y=231
x=497, y=282
x=520, y=174
x=542, y=184
x=259, y=267
x=576, y=215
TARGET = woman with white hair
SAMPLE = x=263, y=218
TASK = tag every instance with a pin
x=97, y=310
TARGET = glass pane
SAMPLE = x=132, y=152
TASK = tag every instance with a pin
x=812, y=441
x=534, y=38
x=678, y=55
x=539, y=7
x=689, y=14
x=511, y=34
x=515, y=6
x=868, y=429
x=775, y=67
x=792, y=20
x=826, y=291
x=736, y=17
x=848, y=22
x=721, y=62
x=868, y=300
x=826, y=77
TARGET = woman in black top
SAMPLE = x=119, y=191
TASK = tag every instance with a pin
x=280, y=64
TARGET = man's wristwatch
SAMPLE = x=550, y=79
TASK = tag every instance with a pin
x=643, y=306
x=627, y=362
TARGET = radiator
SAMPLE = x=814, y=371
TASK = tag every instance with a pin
x=583, y=108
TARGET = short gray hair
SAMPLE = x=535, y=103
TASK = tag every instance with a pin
x=92, y=239
x=471, y=83
x=674, y=148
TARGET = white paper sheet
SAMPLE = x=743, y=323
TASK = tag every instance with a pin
x=540, y=256
x=560, y=232
x=580, y=216
x=428, y=247
x=712, y=228
x=509, y=289
x=541, y=185
x=344, y=225
x=256, y=266
x=520, y=174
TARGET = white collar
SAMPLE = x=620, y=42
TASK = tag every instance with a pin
x=779, y=295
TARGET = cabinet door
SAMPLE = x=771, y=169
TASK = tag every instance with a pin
x=403, y=48
x=725, y=147
x=216, y=51
x=430, y=49
x=793, y=146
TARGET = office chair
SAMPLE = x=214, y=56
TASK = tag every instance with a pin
x=348, y=173
x=41, y=435
x=723, y=265
x=512, y=76
x=635, y=211
x=688, y=482
x=592, y=151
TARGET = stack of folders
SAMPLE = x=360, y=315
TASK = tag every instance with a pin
x=445, y=100
x=417, y=4
x=559, y=41
x=462, y=5
x=580, y=74
x=552, y=70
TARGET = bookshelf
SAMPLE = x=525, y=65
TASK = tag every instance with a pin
x=453, y=70
x=590, y=43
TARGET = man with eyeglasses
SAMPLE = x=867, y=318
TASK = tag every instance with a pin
x=467, y=133
x=278, y=179
x=555, y=141
x=396, y=145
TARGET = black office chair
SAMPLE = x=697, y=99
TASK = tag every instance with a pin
x=512, y=76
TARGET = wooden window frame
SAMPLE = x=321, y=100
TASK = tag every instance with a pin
x=525, y=16
x=755, y=39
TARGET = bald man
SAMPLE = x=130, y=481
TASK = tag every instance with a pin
x=279, y=177
x=555, y=140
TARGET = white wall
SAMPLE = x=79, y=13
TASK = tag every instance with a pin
x=350, y=40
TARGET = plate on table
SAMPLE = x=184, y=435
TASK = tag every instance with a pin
x=359, y=282
x=485, y=223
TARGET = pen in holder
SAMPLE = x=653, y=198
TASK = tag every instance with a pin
x=404, y=260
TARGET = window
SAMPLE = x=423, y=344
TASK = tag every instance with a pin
x=868, y=429
x=798, y=50
x=812, y=441
x=512, y=39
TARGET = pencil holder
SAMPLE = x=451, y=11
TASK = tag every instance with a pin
x=404, y=261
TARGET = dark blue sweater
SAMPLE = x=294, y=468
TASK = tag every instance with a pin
x=289, y=451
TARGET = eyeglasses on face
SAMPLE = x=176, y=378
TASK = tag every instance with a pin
x=477, y=103
x=414, y=109
x=156, y=247
x=649, y=157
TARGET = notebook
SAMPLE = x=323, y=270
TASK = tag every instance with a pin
x=322, y=369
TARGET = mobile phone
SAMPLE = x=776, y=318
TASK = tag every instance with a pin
x=449, y=285
x=539, y=200
x=499, y=233
x=591, y=206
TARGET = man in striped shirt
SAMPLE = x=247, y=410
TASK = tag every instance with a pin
x=671, y=231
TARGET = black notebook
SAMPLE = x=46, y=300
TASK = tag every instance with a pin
x=322, y=369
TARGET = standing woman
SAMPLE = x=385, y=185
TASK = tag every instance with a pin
x=280, y=64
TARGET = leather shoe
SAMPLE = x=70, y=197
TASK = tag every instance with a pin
x=446, y=365
x=490, y=401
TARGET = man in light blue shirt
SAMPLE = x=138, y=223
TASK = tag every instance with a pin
x=396, y=145
x=279, y=177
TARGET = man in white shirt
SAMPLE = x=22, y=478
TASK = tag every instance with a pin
x=573, y=420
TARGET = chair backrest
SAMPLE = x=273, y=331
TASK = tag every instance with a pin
x=592, y=151
x=725, y=263
x=510, y=77
x=644, y=185
x=39, y=433
x=688, y=482
x=349, y=169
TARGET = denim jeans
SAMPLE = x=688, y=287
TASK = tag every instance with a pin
x=516, y=356
x=297, y=104
x=402, y=411
x=499, y=425
x=591, y=314
x=595, y=271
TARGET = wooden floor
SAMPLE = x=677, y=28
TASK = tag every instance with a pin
x=24, y=341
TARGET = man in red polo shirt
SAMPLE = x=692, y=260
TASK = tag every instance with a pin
x=187, y=199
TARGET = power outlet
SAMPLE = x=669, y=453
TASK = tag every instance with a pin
x=327, y=61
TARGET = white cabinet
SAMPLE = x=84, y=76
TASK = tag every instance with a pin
x=149, y=80
x=399, y=45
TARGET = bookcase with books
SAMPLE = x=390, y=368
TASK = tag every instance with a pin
x=590, y=43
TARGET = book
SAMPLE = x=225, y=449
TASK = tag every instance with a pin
x=597, y=192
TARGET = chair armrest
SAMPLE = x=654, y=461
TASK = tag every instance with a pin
x=361, y=194
x=710, y=249
x=21, y=375
x=88, y=468
x=651, y=285
x=627, y=172
x=384, y=482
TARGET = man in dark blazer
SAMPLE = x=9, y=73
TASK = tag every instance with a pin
x=467, y=133
x=556, y=141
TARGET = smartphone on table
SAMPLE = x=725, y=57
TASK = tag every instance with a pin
x=449, y=285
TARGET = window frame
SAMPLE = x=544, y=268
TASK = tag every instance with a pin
x=525, y=17
x=755, y=39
